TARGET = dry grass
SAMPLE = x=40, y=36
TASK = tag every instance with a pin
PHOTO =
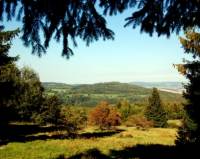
x=174, y=123
x=45, y=149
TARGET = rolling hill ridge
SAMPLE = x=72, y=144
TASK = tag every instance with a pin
x=91, y=94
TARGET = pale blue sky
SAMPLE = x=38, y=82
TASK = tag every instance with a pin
x=132, y=56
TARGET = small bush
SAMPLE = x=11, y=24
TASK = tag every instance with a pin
x=138, y=121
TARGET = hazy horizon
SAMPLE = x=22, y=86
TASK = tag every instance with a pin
x=116, y=81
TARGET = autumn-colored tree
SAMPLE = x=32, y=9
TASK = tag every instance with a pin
x=104, y=116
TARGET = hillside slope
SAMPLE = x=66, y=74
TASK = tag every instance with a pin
x=91, y=94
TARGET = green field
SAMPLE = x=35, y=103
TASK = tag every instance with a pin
x=90, y=142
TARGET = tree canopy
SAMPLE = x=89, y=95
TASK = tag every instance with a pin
x=72, y=19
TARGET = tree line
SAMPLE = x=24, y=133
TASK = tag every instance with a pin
x=23, y=98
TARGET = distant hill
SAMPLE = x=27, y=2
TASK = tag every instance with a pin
x=109, y=88
x=174, y=87
x=56, y=86
x=91, y=94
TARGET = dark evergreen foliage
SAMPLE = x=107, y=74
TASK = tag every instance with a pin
x=9, y=78
x=190, y=132
x=72, y=19
x=155, y=111
x=62, y=19
x=5, y=44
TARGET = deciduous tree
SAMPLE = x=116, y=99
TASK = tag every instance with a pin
x=124, y=108
x=31, y=95
x=49, y=111
x=104, y=116
x=73, y=118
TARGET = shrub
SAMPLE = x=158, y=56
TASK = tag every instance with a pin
x=104, y=116
x=124, y=108
x=73, y=119
x=174, y=110
x=50, y=112
x=139, y=121
x=186, y=132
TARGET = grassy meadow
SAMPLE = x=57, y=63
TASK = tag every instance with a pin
x=89, y=139
x=34, y=141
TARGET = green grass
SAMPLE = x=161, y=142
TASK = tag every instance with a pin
x=174, y=123
x=52, y=148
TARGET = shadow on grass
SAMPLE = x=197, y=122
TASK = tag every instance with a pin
x=142, y=152
x=99, y=134
x=90, y=154
x=156, y=152
x=25, y=133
